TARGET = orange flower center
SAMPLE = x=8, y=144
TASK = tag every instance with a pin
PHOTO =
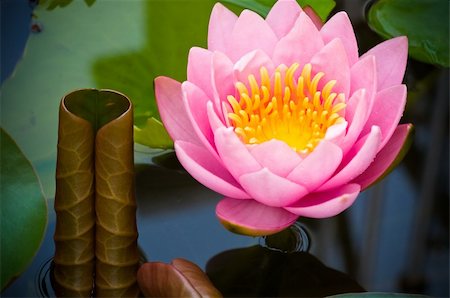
x=291, y=110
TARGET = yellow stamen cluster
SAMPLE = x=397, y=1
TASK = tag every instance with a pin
x=289, y=109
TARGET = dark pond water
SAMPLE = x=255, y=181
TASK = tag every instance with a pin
x=393, y=239
x=176, y=219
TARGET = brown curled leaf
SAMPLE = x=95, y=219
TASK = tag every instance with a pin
x=179, y=279
x=95, y=192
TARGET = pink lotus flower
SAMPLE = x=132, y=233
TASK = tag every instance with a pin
x=284, y=119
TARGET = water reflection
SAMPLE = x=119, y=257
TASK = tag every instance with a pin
x=43, y=279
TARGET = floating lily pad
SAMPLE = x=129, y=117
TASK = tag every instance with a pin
x=23, y=211
x=424, y=22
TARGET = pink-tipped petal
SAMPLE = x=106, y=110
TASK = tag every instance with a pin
x=250, y=32
x=221, y=24
x=318, y=166
x=277, y=156
x=270, y=189
x=214, y=121
x=313, y=16
x=282, y=16
x=339, y=26
x=305, y=36
x=251, y=63
x=327, y=203
x=357, y=114
x=356, y=161
x=199, y=69
x=248, y=217
x=222, y=80
x=387, y=110
x=195, y=101
x=235, y=155
x=169, y=98
x=207, y=170
x=391, y=57
x=332, y=61
x=388, y=158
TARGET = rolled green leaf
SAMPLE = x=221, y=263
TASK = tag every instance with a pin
x=94, y=203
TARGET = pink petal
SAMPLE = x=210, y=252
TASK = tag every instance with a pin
x=251, y=63
x=251, y=32
x=199, y=69
x=304, y=37
x=313, y=16
x=363, y=75
x=221, y=24
x=270, y=189
x=387, y=110
x=173, y=113
x=318, y=166
x=339, y=26
x=391, y=58
x=214, y=121
x=388, y=158
x=251, y=218
x=207, y=170
x=195, y=102
x=277, y=156
x=222, y=80
x=282, y=16
x=235, y=155
x=356, y=114
x=356, y=161
x=336, y=133
x=326, y=204
x=332, y=61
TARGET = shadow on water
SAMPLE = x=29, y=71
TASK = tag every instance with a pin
x=261, y=272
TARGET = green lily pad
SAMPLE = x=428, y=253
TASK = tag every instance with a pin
x=321, y=7
x=121, y=45
x=151, y=135
x=23, y=211
x=424, y=22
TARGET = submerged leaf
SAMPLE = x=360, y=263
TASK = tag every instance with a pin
x=23, y=211
x=257, y=271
